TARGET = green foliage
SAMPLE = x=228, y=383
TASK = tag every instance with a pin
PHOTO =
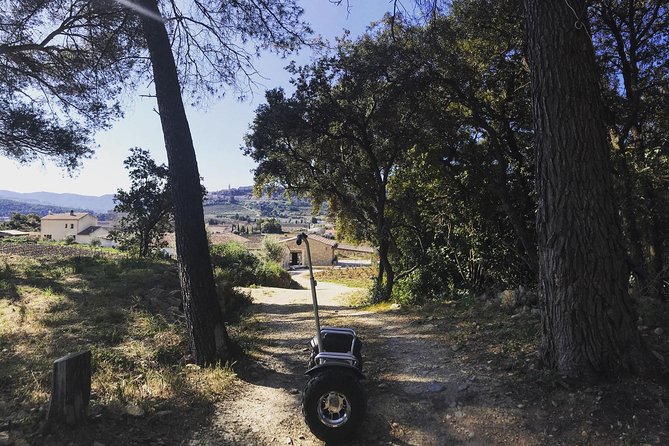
x=632, y=45
x=20, y=222
x=270, y=226
x=235, y=265
x=421, y=135
x=272, y=274
x=64, y=66
x=146, y=207
x=273, y=251
x=344, y=132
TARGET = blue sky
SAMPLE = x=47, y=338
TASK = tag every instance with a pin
x=218, y=130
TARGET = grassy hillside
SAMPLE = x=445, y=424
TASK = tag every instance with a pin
x=126, y=311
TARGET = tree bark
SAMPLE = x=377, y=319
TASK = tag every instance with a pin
x=208, y=337
x=589, y=325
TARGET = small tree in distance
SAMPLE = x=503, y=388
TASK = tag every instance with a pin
x=147, y=206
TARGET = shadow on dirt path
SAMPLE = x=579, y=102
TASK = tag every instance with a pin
x=426, y=386
x=401, y=394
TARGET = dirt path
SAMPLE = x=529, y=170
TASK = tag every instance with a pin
x=403, y=394
x=420, y=390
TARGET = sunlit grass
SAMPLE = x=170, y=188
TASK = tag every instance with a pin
x=358, y=277
x=52, y=307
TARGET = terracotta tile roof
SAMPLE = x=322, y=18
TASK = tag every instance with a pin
x=365, y=249
x=215, y=239
x=316, y=238
x=224, y=237
x=66, y=216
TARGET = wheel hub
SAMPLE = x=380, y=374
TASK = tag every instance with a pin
x=334, y=409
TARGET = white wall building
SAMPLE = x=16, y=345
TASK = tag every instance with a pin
x=80, y=225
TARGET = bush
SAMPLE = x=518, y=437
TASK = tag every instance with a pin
x=272, y=274
x=235, y=265
x=273, y=251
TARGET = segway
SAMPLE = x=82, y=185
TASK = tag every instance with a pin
x=333, y=400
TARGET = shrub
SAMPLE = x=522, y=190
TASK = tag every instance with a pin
x=235, y=265
x=273, y=251
x=272, y=274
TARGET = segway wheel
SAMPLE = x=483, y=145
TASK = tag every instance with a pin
x=333, y=404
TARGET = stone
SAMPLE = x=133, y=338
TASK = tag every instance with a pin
x=289, y=440
x=383, y=386
x=293, y=391
x=435, y=388
x=659, y=331
x=301, y=437
x=4, y=439
x=463, y=387
x=134, y=410
x=395, y=306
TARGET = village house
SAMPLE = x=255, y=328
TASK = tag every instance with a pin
x=81, y=226
x=322, y=251
x=325, y=252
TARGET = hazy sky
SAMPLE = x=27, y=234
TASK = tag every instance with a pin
x=217, y=131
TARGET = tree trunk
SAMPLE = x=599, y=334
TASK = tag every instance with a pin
x=589, y=325
x=208, y=337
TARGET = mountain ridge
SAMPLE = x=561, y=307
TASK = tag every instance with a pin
x=101, y=203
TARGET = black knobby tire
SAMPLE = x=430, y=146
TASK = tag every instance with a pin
x=345, y=387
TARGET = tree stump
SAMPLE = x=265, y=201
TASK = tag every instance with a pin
x=71, y=388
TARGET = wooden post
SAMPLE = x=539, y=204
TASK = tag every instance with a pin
x=71, y=388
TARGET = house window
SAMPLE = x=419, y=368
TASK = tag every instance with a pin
x=72, y=226
x=65, y=225
x=48, y=236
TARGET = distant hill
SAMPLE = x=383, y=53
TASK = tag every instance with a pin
x=8, y=207
x=101, y=203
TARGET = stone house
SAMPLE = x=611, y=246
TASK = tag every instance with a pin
x=322, y=251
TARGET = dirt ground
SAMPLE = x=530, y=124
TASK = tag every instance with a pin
x=437, y=377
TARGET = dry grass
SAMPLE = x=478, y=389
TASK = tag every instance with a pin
x=355, y=277
x=50, y=307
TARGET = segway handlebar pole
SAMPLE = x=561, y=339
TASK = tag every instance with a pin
x=319, y=339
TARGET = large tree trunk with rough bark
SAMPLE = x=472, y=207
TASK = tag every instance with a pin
x=208, y=337
x=589, y=324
